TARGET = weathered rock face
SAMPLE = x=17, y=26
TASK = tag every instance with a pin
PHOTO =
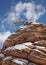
x=27, y=46
x=27, y=33
x=35, y=52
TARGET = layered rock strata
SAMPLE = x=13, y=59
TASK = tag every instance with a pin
x=27, y=46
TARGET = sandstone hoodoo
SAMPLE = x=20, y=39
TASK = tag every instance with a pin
x=27, y=46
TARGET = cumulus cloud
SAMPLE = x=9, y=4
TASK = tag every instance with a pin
x=3, y=36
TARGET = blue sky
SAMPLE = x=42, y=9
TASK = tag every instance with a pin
x=11, y=10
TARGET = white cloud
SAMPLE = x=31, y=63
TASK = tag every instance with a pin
x=32, y=11
x=3, y=36
x=11, y=16
x=29, y=10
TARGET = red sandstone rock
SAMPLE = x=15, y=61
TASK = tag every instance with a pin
x=16, y=46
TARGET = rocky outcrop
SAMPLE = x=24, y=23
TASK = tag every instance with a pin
x=31, y=51
x=27, y=33
x=27, y=46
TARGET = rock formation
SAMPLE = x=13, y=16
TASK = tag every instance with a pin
x=27, y=46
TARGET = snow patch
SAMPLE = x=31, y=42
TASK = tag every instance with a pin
x=19, y=46
x=1, y=55
x=20, y=61
x=7, y=58
x=35, y=23
x=40, y=47
x=28, y=43
x=23, y=27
